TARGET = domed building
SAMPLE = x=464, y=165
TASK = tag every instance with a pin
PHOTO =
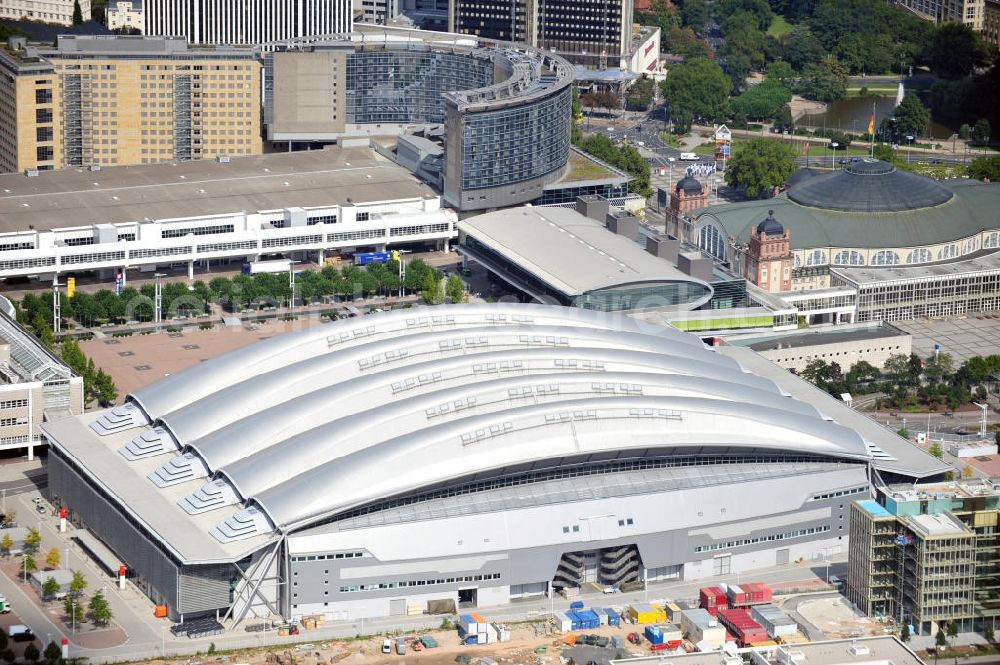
x=868, y=213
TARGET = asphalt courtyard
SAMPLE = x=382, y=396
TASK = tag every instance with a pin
x=961, y=336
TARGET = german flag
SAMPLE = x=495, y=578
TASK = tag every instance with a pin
x=871, y=125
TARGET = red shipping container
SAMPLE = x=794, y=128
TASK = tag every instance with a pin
x=742, y=626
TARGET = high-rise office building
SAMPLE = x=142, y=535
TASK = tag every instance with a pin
x=926, y=555
x=597, y=33
x=126, y=100
x=245, y=22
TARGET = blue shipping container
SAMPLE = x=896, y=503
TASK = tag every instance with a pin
x=589, y=619
x=654, y=635
x=574, y=620
x=576, y=605
x=613, y=617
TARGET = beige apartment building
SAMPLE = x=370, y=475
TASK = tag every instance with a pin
x=28, y=104
x=116, y=101
x=46, y=11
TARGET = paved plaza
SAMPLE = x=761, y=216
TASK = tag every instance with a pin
x=962, y=336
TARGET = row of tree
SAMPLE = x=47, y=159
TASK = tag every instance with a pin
x=626, y=157
x=234, y=293
x=910, y=381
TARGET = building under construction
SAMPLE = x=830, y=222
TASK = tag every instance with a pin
x=927, y=555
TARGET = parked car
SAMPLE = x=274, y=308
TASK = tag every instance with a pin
x=386, y=646
x=20, y=633
x=400, y=645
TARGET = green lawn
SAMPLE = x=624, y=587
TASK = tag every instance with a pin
x=670, y=140
x=779, y=26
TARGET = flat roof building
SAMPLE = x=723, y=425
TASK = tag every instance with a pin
x=115, y=100
x=503, y=108
x=559, y=255
x=35, y=386
x=202, y=212
x=794, y=351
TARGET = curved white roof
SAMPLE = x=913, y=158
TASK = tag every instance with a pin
x=305, y=426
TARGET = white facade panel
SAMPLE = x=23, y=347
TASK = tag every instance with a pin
x=245, y=22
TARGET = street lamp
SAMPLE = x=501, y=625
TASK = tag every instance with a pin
x=909, y=141
x=833, y=147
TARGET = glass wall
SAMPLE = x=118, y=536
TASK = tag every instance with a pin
x=512, y=145
x=406, y=86
x=645, y=295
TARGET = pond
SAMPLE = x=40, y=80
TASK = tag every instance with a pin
x=851, y=115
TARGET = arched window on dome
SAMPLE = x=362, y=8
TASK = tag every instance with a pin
x=947, y=252
x=920, y=255
x=817, y=257
x=992, y=240
x=848, y=257
x=885, y=257
x=970, y=246
x=796, y=261
x=712, y=241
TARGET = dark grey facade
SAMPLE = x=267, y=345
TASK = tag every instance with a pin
x=184, y=589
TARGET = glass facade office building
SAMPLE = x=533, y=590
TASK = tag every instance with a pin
x=516, y=144
x=407, y=86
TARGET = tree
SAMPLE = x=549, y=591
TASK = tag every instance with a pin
x=802, y=48
x=904, y=633
x=779, y=72
x=956, y=50
x=100, y=609
x=981, y=131
x=78, y=584
x=911, y=115
x=968, y=473
x=694, y=14
x=941, y=638
x=32, y=540
x=107, y=392
x=52, y=558
x=763, y=101
x=935, y=449
x=989, y=634
x=939, y=367
x=824, y=82
x=31, y=651
x=73, y=609
x=431, y=289
x=985, y=168
x=77, y=13
x=52, y=652
x=455, y=288
x=952, y=629
x=760, y=165
x=6, y=544
x=903, y=432
x=28, y=566
x=698, y=86
x=50, y=588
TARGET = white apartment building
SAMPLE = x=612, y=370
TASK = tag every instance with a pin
x=46, y=11
x=124, y=14
x=245, y=22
